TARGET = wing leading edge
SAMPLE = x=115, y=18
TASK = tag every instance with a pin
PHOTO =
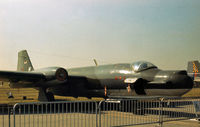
x=16, y=76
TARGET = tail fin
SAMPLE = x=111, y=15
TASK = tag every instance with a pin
x=24, y=62
x=193, y=69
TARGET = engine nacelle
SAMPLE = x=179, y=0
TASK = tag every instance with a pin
x=54, y=73
x=51, y=76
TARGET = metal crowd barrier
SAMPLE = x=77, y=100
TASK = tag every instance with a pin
x=107, y=113
x=129, y=112
x=140, y=111
x=55, y=114
x=5, y=115
x=174, y=109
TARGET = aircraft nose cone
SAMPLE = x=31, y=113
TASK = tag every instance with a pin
x=182, y=81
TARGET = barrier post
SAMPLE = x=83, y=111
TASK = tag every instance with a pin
x=14, y=113
x=96, y=111
x=8, y=116
x=99, y=109
x=160, y=112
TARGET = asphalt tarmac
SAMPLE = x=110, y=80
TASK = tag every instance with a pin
x=83, y=120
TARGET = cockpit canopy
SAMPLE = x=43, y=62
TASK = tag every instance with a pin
x=142, y=65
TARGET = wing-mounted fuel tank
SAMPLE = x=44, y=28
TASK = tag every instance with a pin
x=53, y=76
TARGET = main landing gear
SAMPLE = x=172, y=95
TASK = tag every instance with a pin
x=45, y=95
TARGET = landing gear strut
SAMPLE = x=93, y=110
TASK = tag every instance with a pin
x=45, y=96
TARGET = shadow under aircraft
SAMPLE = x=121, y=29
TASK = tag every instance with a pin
x=125, y=79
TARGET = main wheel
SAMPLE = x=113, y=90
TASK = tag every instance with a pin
x=50, y=96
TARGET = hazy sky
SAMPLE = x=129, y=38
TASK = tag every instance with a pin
x=70, y=33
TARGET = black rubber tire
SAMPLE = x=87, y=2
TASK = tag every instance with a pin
x=50, y=96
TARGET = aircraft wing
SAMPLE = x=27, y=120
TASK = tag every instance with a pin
x=15, y=76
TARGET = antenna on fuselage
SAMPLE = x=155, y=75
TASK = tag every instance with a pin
x=95, y=62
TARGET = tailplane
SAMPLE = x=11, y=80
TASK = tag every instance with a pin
x=24, y=62
x=193, y=69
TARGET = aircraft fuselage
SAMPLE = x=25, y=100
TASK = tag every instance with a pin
x=110, y=80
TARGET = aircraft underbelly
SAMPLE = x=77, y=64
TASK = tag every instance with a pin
x=149, y=92
x=123, y=92
x=166, y=92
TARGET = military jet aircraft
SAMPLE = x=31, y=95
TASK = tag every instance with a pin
x=194, y=70
x=125, y=79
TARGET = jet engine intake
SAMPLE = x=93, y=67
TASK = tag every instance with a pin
x=61, y=74
x=54, y=76
x=54, y=73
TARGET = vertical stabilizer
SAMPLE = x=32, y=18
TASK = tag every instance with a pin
x=193, y=69
x=24, y=63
